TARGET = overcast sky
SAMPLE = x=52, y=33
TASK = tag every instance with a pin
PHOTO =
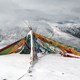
x=48, y=7
x=45, y=5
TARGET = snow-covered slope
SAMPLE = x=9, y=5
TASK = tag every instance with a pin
x=61, y=36
x=71, y=28
x=49, y=67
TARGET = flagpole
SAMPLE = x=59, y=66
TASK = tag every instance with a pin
x=32, y=47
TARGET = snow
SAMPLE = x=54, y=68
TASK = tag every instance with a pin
x=63, y=37
x=48, y=67
x=12, y=66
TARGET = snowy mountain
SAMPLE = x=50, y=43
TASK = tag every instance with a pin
x=68, y=33
x=71, y=28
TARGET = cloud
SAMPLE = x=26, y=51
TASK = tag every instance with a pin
x=41, y=9
x=76, y=9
